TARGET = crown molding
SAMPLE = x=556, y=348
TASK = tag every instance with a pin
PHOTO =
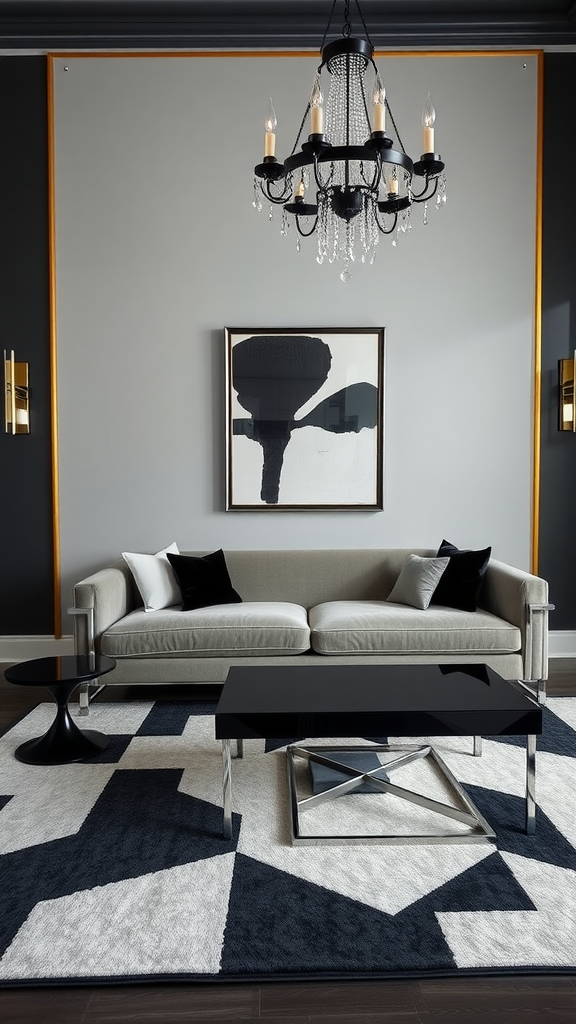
x=275, y=24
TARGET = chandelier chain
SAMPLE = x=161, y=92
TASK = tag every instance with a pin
x=347, y=27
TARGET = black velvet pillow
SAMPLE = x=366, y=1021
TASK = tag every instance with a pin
x=203, y=580
x=461, y=580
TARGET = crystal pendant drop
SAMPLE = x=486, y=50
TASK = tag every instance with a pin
x=425, y=218
x=345, y=276
x=256, y=203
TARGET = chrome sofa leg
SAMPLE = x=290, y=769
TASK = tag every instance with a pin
x=477, y=746
x=537, y=687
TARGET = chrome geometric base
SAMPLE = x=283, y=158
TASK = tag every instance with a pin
x=467, y=813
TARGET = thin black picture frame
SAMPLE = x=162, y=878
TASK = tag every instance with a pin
x=304, y=418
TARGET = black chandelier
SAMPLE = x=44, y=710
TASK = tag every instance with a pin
x=363, y=185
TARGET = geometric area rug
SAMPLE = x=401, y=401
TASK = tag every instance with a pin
x=115, y=869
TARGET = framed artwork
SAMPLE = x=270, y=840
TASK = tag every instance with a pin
x=304, y=418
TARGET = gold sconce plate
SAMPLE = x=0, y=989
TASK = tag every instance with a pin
x=16, y=396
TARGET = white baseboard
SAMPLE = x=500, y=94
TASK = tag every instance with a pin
x=562, y=643
x=24, y=648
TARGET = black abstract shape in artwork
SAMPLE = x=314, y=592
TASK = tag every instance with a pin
x=274, y=376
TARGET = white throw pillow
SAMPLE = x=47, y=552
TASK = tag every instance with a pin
x=417, y=581
x=155, y=578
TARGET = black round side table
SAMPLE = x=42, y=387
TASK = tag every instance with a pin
x=64, y=742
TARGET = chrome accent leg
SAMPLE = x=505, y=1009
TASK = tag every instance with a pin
x=239, y=748
x=477, y=746
x=478, y=828
x=530, y=785
x=84, y=697
x=226, y=790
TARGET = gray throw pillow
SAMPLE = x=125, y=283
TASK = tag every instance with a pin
x=417, y=581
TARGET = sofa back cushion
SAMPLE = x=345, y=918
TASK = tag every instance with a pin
x=311, y=577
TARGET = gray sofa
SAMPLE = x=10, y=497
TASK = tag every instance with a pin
x=309, y=607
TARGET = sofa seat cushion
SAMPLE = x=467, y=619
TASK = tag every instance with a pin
x=378, y=627
x=252, y=628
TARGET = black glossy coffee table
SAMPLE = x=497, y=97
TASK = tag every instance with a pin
x=64, y=742
x=369, y=700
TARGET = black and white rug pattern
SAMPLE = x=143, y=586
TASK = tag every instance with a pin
x=116, y=869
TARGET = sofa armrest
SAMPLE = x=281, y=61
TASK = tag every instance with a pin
x=109, y=596
x=521, y=598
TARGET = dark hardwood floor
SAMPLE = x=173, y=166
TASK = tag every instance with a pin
x=488, y=1000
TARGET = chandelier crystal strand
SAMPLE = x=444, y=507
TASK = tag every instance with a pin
x=346, y=125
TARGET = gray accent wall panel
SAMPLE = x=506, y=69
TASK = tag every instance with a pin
x=557, y=561
x=159, y=248
x=26, y=573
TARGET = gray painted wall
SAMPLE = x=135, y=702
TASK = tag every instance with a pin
x=158, y=248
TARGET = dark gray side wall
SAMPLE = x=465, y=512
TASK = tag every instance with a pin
x=26, y=567
x=557, y=553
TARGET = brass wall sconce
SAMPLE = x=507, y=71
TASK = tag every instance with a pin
x=16, y=396
x=566, y=378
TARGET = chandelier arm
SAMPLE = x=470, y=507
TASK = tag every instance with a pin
x=322, y=185
x=380, y=226
x=424, y=195
x=306, y=234
x=377, y=176
x=280, y=198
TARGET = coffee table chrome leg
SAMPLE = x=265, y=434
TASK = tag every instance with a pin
x=477, y=746
x=530, y=785
x=226, y=790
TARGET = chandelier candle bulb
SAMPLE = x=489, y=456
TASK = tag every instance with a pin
x=299, y=192
x=316, y=110
x=270, y=123
x=428, y=118
x=378, y=99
